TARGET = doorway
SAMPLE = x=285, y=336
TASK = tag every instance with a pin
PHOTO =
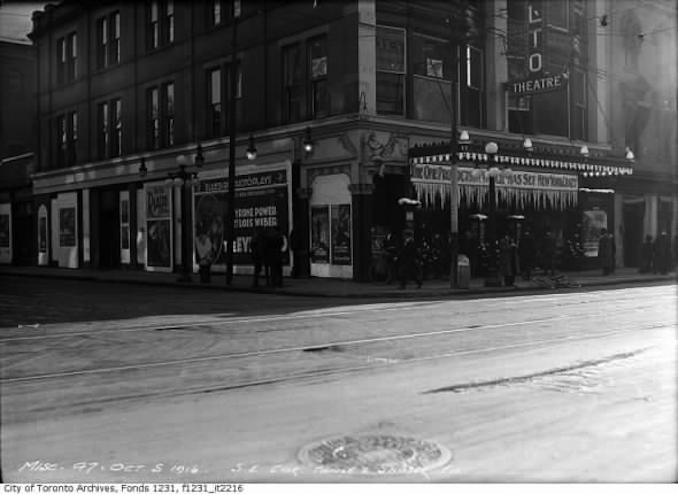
x=109, y=229
x=633, y=213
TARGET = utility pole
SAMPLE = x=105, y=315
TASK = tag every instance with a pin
x=230, y=207
x=454, y=181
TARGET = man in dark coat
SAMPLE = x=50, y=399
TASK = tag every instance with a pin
x=647, y=255
x=662, y=253
x=409, y=263
x=605, y=251
x=548, y=251
x=258, y=250
x=527, y=251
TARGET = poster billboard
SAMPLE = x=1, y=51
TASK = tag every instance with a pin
x=261, y=202
x=158, y=227
x=320, y=234
x=593, y=221
x=341, y=233
x=67, y=227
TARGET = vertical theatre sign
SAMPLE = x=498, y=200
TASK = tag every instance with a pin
x=261, y=205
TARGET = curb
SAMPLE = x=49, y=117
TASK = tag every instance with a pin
x=392, y=294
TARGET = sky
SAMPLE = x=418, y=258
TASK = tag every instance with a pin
x=15, y=19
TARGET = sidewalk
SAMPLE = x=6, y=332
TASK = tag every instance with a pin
x=324, y=287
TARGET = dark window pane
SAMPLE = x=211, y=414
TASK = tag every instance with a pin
x=390, y=93
x=390, y=49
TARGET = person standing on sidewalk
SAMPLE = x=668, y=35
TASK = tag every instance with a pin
x=408, y=261
x=548, y=250
x=605, y=251
x=508, y=262
x=662, y=253
x=647, y=255
x=527, y=251
x=258, y=248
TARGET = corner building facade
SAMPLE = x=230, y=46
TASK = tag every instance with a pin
x=157, y=86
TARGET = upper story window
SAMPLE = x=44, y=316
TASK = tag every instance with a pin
x=391, y=70
x=578, y=90
x=109, y=129
x=160, y=29
x=66, y=138
x=218, y=98
x=160, y=117
x=108, y=40
x=317, y=54
x=220, y=11
x=304, y=74
x=293, y=83
x=67, y=58
x=471, y=88
x=431, y=69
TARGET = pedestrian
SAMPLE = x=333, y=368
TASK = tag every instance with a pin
x=390, y=248
x=605, y=251
x=258, y=251
x=527, y=251
x=548, y=251
x=299, y=251
x=277, y=246
x=647, y=255
x=508, y=262
x=662, y=253
x=409, y=263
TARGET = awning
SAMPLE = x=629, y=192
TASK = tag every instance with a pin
x=521, y=187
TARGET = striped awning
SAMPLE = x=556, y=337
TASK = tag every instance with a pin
x=592, y=168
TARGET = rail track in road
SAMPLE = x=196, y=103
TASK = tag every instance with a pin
x=317, y=358
x=216, y=321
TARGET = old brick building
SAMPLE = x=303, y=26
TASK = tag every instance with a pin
x=125, y=87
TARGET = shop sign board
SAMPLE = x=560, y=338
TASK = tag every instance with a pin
x=539, y=85
x=262, y=203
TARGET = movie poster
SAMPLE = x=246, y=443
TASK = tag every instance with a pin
x=320, y=234
x=67, y=227
x=4, y=230
x=158, y=244
x=158, y=227
x=42, y=234
x=341, y=233
x=593, y=222
x=261, y=203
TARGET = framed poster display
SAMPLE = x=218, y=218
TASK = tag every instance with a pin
x=124, y=227
x=320, y=234
x=341, y=233
x=158, y=228
x=67, y=227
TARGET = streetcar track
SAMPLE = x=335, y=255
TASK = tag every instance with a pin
x=282, y=350
x=278, y=318
x=317, y=373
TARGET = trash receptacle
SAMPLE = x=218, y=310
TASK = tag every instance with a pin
x=463, y=271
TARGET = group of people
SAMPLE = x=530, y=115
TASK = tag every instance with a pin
x=656, y=255
x=268, y=250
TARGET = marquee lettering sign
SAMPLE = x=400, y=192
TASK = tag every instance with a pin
x=433, y=181
x=541, y=85
x=535, y=19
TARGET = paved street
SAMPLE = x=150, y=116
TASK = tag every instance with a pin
x=112, y=382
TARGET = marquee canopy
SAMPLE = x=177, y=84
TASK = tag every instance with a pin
x=550, y=176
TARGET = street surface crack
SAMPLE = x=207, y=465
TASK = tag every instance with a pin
x=456, y=388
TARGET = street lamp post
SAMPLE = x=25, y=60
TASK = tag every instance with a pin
x=454, y=181
x=230, y=211
x=492, y=278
